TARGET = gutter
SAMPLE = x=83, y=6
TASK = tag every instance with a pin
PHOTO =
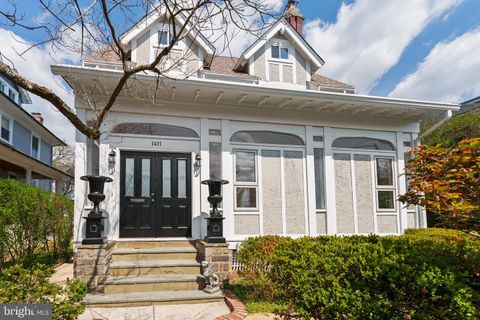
x=70, y=70
x=437, y=125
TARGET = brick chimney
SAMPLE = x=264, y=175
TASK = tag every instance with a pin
x=38, y=116
x=294, y=16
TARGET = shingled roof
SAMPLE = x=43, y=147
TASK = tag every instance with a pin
x=106, y=54
x=220, y=65
x=225, y=66
x=319, y=80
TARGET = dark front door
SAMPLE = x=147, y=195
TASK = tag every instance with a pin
x=155, y=194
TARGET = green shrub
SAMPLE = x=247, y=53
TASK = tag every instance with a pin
x=30, y=285
x=425, y=274
x=32, y=222
x=460, y=127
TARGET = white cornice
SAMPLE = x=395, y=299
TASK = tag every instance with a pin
x=225, y=86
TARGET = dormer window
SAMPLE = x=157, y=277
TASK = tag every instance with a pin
x=279, y=52
x=163, y=37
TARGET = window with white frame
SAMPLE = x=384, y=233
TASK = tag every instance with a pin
x=279, y=52
x=2, y=87
x=35, y=147
x=165, y=35
x=6, y=133
x=385, y=184
x=215, y=155
x=246, y=181
x=12, y=95
x=319, y=178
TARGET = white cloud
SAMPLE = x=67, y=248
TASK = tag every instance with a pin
x=449, y=73
x=369, y=36
x=35, y=65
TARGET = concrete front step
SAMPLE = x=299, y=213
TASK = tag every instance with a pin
x=171, y=282
x=155, y=253
x=154, y=267
x=144, y=244
x=151, y=298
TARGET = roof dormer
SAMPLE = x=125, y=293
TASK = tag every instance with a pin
x=282, y=55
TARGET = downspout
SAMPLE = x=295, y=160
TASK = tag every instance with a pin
x=422, y=213
x=437, y=125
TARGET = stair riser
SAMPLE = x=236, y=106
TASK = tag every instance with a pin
x=150, y=303
x=158, y=286
x=153, y=256
x=116, y=272
x=153, y=244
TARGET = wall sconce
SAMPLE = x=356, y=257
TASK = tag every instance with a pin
x=111, y=157
x=198, y=161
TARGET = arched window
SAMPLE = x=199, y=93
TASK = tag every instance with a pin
x=266, y=137
x=363, y=143
x=154, y=129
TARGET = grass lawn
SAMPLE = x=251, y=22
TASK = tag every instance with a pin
x=255, y=300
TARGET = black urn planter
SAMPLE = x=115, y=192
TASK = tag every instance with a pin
x=94, y=219
x=215, y=221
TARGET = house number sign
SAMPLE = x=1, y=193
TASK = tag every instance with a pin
x=156, y=143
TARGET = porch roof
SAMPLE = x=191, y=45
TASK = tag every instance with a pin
x=246, y=95
x=15, y=160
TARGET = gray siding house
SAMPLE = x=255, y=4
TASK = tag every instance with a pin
x=26, y=145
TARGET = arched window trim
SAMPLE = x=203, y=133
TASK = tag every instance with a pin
x=300, y=143
x=383, y=141
x=189, y=133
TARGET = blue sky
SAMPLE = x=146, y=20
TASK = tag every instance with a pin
x=416, y=49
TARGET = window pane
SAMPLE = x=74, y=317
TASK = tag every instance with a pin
x=215, y=154
x=166, y=178
x=154, y=129
x=129, y=174
x=145, y=177
x=5, y=128
x=384, y=172
x=284, y=53
x=385, y=199
x=362, y=143
x=266, y=137
x=275, y=52
x=319, y=178
x=182, y=178
x=35, y=144
x=163, y=37
x=246, y=197
x=245, y=166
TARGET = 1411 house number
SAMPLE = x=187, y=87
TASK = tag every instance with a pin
x=156, y=143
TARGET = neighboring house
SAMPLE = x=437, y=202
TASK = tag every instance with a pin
x=303, y=154
x=470, y=105
x=25, y=143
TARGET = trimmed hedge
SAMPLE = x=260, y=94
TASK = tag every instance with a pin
x=424, y=274
x=33, y=223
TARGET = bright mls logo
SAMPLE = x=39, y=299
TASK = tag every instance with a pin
x=26, y=311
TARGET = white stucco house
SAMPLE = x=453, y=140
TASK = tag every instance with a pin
x=303, y=154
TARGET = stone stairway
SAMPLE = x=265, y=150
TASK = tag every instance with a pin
x=153, y=272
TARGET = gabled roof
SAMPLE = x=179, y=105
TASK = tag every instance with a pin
x=156, y=14
x=284, y=27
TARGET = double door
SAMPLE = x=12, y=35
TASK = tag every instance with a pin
x=155, y=194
